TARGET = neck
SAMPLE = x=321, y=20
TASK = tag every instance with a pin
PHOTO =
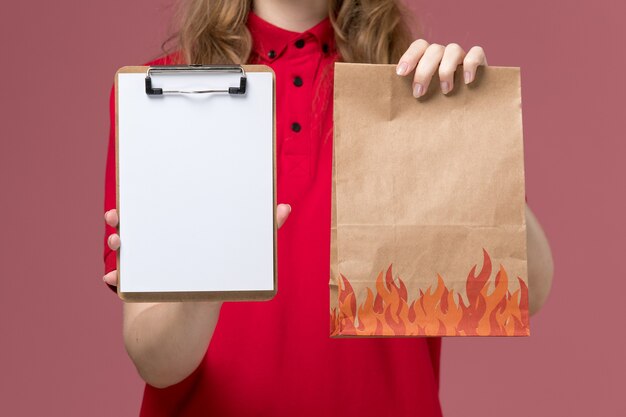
x=292, y=15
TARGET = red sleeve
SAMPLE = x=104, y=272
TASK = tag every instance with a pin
x=110, y=257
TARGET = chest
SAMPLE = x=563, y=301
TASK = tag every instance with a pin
x=304, y=118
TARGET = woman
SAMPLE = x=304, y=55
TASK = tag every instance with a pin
x=275, y=358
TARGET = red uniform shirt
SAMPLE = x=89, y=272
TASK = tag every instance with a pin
x=275, y=358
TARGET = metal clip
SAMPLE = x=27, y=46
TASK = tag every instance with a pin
x=194, y=68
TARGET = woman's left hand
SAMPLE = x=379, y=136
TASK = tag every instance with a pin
x=427, y=58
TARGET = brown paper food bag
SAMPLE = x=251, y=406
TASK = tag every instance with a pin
x=428, y=231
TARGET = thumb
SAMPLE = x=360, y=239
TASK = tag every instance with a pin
x=282, y=212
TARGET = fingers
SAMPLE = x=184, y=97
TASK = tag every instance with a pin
x=411, y=57
x=111, y=218
x=427, y=58
x=474, y=58
x=452, y=57
x=111, y=278
x=114, y=241
x=282, y=212
x=426, y=68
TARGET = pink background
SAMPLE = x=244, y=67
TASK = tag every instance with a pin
x=61, y=348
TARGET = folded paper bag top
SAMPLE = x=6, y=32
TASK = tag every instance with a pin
x=428, y=230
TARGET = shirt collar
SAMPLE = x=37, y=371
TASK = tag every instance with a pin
x=270, y=41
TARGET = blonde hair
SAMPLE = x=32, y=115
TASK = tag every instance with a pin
x=215, y=31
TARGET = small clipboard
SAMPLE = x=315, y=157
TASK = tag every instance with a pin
x=195, y=176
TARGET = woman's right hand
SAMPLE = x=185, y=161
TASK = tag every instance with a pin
x=112, y=219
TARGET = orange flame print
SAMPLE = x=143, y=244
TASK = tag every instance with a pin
x=436, y=312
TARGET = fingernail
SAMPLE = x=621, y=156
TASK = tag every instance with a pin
x=104, y=279
x=445, y=86
x=467, y=76
x=289, y=207
x=402, y=67
x=417, y=90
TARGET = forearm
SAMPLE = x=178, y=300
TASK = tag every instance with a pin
x=167, y=341
x=540, y=263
